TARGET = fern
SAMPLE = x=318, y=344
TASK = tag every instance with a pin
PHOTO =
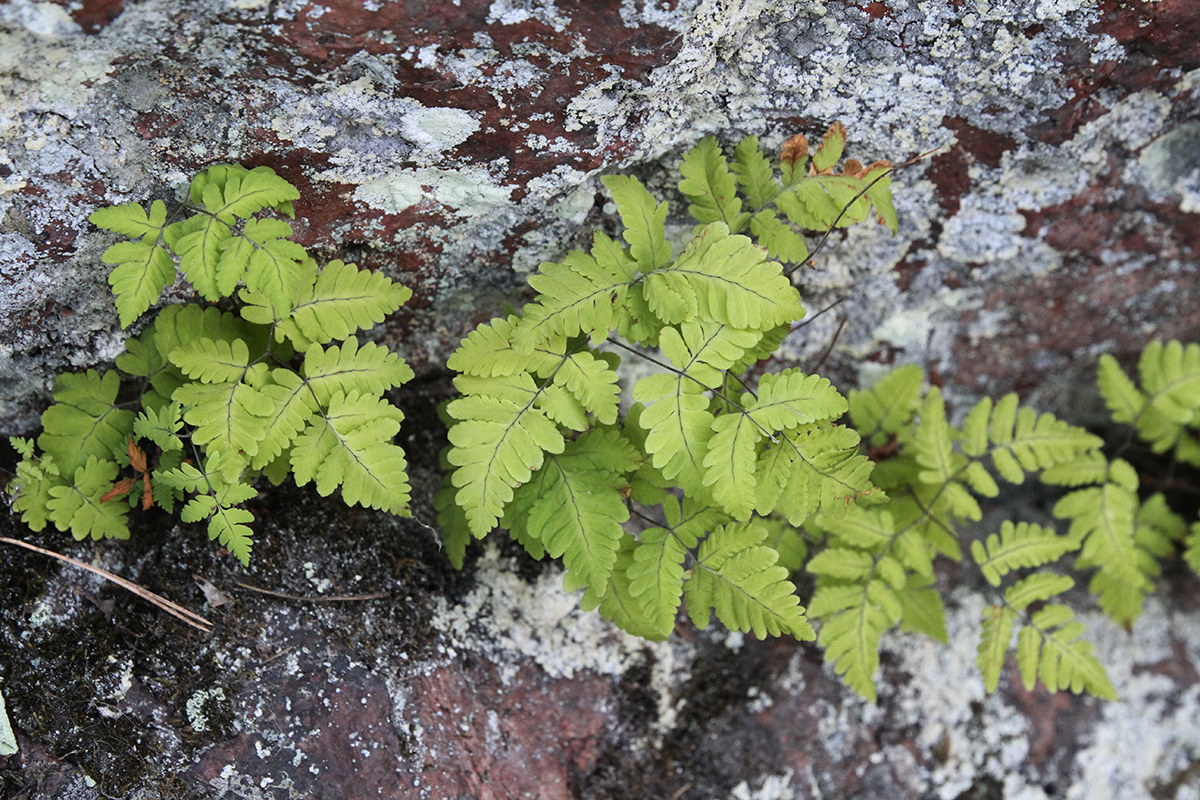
x=220, y=390
x=710, y=472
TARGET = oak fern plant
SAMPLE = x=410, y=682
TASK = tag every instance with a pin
x=696, y=494
x=206, y=399
x=720, y=482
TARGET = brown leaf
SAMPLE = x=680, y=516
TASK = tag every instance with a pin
x=853, y=168
x=119, y=488
x=147, y=492
x=137, y=457
x=794, y=149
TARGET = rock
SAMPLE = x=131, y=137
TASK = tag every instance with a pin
x=456, y=146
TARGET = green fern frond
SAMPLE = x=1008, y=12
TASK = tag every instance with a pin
x=730, y=465
x=809, y=469
x=644, y=220
x=579, y=294
x=579, y=510
x=997, y=635
x=754, y=173
x=887, y=408
x=78, y=507
x=616, y=602
x=678, y=424
x=1102, y=519
x=161, y=427
x=781, y=240
x=343, y=300
x=370, y=369
x=228, y=417
x=922, y=610
x=592, y=382
x=725, y=278
x=852, y=624
x=1065, y=662
x=1016, y=546
x=710, y=187
x=29, y=491
x=211, y=361
x=488, y=352
x=142, y=270
x=294, y=404
x=495, y=447
x=1170, y=378
x=736, y=577
x=791, y=398
x=656, y=576
x=85, y=422
x=1021, y=440
x=349, y=447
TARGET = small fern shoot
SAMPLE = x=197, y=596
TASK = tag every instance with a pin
x=281, y=387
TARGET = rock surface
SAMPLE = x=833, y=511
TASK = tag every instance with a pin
x=456, y=145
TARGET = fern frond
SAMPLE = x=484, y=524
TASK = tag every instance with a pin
x=456, y=533
x=679, y=426
x=1102, y=519
x=644, y=220
x=1022, y=545
x=616, y=603
x=997, y=634
x=790, y=398
x=227, y=417
x=754, y=173
x=704, y=350
x=29, y=491
x=349, y=446
x=369, y=370
x=850, y=635
x=810, y=469
x=579, y=294
x=228, y=527
x=342, y=301
x=1024, y=441
x=922, y=610
x=783, y=243
x=737, y=578
x=211, y=361
x=294, y=405
x=579, y=509
x=592, y=382
x=833, y=142
x=730, y=465
x=1170, y=377
x=131, y=219
x=889, y=406
x=495, y=447
x=142, y=270
x=656, y=576
x=84, y=421
x=488, y=352
x=161, y=427
x=934, y=443
x=724, y=278
x=710, y=187
x=77, y=506
x=1065, y=662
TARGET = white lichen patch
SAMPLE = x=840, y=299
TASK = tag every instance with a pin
x=774, y=787
x=198, y=707
x=470, y=192
x=508, y=617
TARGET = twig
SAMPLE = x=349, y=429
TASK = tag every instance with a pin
x=342, y=598
x=195, y=620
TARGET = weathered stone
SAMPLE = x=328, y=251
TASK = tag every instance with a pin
x=456, y=145
x=451, y=144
